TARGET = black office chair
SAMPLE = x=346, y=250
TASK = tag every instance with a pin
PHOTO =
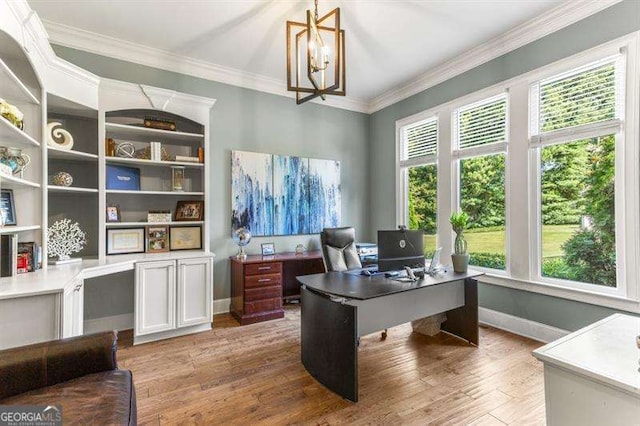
x=339, y=249
x=339, y=252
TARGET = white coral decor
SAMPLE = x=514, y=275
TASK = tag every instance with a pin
x=65, y=238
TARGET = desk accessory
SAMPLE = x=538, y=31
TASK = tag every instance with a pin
x=242, y=238
x=63, y=239
x=300, y=249
x=268, y=249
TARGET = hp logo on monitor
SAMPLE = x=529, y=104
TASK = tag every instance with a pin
x=403, y=243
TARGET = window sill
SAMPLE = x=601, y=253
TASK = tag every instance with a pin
x=599, y=299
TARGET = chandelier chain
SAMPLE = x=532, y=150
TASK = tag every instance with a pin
x=316, y=11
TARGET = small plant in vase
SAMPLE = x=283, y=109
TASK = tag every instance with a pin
x=460, y=257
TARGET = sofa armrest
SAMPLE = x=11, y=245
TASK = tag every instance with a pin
x=44, y=364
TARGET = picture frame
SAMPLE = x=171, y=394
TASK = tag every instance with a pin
x=192, y=210
x=125, y=240
x=185, y=238
x=268, y=249
x=113, y=213
x=7, y=208
x=157, y=239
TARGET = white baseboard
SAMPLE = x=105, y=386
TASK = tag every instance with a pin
x=520, y=326
x=116, y=322
x=221, y=306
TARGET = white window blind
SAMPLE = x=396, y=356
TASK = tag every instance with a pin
x=420, y=141
x=583, y=102
x=481, y=123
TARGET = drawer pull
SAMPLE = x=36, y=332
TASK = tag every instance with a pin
x=264, y=280
x=264, y=268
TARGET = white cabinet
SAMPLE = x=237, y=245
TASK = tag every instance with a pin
x=194, y=291
x=155, y=296
x=173, y=297
x=73, y=309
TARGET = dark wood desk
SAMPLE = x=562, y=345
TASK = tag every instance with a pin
x=338, y=308
x=261, y=284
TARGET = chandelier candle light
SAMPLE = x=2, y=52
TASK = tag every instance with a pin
x=317, y=45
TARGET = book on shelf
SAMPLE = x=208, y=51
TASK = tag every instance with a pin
x=8, y=255
x=28, y=257
x=156, y=151
x=186, y=159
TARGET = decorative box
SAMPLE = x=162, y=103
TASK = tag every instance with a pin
x=124, y=178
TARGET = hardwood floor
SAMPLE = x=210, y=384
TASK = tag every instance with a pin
x=253, y=375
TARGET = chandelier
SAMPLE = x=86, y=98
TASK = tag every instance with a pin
x=315, y=49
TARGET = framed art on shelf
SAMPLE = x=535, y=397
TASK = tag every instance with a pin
x=189, y=211
x=7, y=208
x=185, y=238
x=157, y=239
x=125, y=240
x=113, y=213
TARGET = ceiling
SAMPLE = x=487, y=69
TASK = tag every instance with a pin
x=389, y=43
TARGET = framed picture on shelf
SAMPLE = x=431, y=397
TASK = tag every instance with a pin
x=7, y=208
x=157, y=239
x=113, y=213
x=125, y=240
x=268, y=249
x=189, y=211
x=123, y=178
x=185, y=237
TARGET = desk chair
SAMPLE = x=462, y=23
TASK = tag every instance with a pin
x=339, y=252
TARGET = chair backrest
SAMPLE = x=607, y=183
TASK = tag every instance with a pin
x=339, y=249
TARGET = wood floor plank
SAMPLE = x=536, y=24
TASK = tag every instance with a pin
x=253, y=375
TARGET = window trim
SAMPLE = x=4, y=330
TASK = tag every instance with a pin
x=521, y=278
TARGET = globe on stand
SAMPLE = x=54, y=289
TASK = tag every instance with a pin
x=242, y=237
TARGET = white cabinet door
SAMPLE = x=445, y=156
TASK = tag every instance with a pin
x=195, y=291
x=73, y=310
x=155, y=297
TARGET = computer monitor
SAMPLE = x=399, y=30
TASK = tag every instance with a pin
x=397, y=249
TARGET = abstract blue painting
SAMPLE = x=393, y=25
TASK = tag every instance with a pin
x=290, y=195
x=325, y=199
x=251, y=192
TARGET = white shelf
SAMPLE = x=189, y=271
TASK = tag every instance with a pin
x=12, y=136
x=12, y=182
x=121, y=191
x=13, y=89
x=56, y=188
x=70, y=155
x=110, y=160
x=145, y=134
x=15, y=229
x=141, y=224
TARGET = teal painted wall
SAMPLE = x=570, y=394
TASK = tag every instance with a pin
x=613, y=22
x=244, y=119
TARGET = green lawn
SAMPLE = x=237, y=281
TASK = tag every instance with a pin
x=553, y=236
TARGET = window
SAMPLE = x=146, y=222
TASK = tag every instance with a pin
x=575, y=123
x=419, y=142
x=480, y=132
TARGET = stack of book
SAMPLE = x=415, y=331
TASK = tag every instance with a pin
x=18, y=257
x=186, y=159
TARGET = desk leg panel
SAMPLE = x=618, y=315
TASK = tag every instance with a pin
x=463, y=321
x=329, y=343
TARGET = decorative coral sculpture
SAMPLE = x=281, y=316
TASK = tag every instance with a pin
x=65, y=238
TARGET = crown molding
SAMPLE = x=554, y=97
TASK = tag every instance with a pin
x=549, y=22
x=564, y=15
x=127, y=51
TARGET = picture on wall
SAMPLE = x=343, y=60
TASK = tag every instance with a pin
x=251, y=192
x=325, y=199
x=290, y=195
x=284, y=195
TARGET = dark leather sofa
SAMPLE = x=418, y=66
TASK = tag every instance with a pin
x=80, y=374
